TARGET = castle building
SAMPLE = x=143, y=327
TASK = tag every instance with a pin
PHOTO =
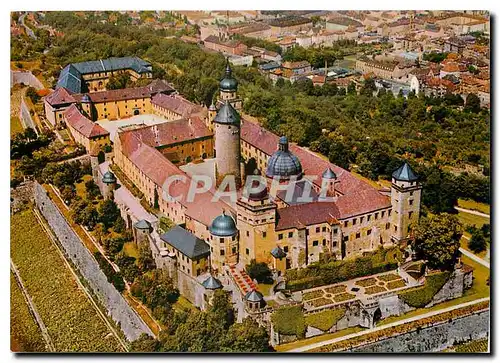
x=93, y=76
x=109, y=105
x=281, y=229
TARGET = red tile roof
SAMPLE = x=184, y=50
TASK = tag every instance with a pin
x=154, y=87
x=158, y=168
x=175, y=104
x=357, y=196
x=301, y=215
x=60, y=96
x=173, y=132
x=82, y=124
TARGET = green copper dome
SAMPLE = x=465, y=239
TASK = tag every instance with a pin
x=223, y=226
x=228, y=83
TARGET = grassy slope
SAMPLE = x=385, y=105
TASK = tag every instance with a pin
x=71, y=320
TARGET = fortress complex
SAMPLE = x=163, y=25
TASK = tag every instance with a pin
x=213, y=237
x=358, y=218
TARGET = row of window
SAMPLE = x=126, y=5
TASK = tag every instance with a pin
x=368, y=218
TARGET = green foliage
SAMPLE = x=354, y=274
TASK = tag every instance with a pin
x=119, y=81
x=326, y=319
x=156, y=290
x=32, y=95
x=255, y=42
x=472, y=103
x=421, y=296
x=108, y=213
x=435, y=57
x=437, y=240
x=92, y=189
x=247, y=337
x=289, y=320
x=337, y=271
x=477, y=242
x=114, y=277
x=259, y=271
x=26, y=142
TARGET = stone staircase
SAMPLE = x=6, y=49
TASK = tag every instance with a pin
x=242, y=280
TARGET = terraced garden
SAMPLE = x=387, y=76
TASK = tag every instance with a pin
x=25, y=336
x=71, y=320
x=327, y=296
x=381, y=283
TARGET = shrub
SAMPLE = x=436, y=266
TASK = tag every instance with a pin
x=259, y=271
x=388, y=277
x=421, y=296
x=477, y=242
x=374, y=290
x=320, y=302
x=289, y=320
x=331, y=272
x=312, y=294
x=326, y=319
x=395, y=284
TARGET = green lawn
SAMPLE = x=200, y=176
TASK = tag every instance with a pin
x=470, y=204
x=265, y=289
x=183, y=304
x=472, y=219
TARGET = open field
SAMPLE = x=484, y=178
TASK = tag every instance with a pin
x=25, y=336
x=71, y=320
x=470, y=204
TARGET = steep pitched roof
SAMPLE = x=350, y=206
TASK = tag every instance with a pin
x=71, y=79
x=405, y=173
x=60, y=96
x=82, y=124
x=172, y=132
x=186, y=243
x=227, y=115
x=177, y=105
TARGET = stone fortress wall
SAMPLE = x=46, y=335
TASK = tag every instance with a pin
x=128, y=320
x=434, y=338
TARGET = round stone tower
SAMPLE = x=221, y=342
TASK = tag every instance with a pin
x=224, y=241
x=227, y=143
x=109, y=184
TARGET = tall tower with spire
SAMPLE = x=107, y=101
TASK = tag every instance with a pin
x=228, y=87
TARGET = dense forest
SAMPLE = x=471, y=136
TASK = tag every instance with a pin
x=362, y=132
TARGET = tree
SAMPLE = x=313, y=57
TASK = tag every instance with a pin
x=351, y=88
x=108, y=213
x=32, y=94
x=221, y=309
x=472, y=103
x=247, y=336
x=119, y=81
x=259, y=271
x=68, y=192
x=145, y=259
x=92, y=189
x=145, y=343
x=437, y=240
x=477, y=242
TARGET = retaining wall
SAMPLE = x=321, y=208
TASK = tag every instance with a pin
x=129, y=321
x=434, y=338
